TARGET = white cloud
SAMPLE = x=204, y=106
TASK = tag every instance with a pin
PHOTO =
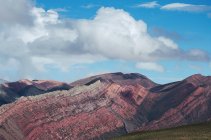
x=197, y=54
x=16, y=12
x=151, y=4
x=50, y=41
x=89, y=6
x=150, y=66
x=114, y=29
x=168, y=42
x=186, y=7
x=61, y=9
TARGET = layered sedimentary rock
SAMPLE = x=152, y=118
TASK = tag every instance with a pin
x=10, y=91
x=180, y=103
x=119, y=78
x=106, y=106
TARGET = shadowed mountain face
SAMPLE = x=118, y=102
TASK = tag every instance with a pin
x=101, y=107
x=10, y=91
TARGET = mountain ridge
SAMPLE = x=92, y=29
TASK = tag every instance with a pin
x=102, y=107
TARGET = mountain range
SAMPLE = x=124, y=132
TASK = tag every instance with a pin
x=100, y=107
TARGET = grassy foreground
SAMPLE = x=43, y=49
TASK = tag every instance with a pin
x=191, y=132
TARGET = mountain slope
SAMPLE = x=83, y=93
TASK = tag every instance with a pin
x=80, y=113
x=106, y=106
x=185, y=102
x=10, y=91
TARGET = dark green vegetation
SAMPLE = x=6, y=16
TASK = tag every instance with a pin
x=191, y=132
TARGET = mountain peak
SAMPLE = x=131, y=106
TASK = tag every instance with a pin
x=25, y=81
x=117, y=77
x=196, y=79
x=197, y=76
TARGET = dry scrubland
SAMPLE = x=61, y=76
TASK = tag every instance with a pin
x=190, y=132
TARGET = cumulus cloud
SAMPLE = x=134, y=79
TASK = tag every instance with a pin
x=50, y=41
x=186, y=7
x=157, y=31
x=15, y=12
x=151, y=4
x=150, y=66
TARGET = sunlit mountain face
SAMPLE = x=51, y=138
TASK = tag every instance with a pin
x=78, y=70
x=101, y=107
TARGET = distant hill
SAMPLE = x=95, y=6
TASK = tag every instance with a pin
x=11, y=91
x=190, y=132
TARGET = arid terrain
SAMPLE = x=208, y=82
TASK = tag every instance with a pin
x=100, y=107
x=201, y=131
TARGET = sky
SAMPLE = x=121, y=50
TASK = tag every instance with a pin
x=66, y=40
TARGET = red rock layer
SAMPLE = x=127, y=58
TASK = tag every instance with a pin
x=84, y=112
x=103, y=108
x=10, y=91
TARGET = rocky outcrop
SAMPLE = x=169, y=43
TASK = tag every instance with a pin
x=106, y=106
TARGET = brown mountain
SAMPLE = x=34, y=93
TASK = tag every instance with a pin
x=104, y=106
x=119, y=78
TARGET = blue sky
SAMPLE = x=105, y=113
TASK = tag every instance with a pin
x=185, y=23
